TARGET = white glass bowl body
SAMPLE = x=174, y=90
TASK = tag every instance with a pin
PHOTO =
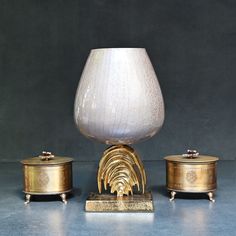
x=119, y=100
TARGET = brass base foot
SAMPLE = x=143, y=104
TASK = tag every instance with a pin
x=63, y=198
x=172, y=194
x=27, y=199
x=211, y=196
x=111, y=203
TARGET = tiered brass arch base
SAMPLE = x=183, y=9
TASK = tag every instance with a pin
x=122, y=173
x=110, y=203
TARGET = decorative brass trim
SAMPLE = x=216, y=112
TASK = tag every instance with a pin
x=46, y=156
x=191, y=154
x=121, y=169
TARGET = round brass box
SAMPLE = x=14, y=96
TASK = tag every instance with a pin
x=47, y=175
x=191, y=173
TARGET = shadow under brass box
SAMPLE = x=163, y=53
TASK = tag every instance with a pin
x=47, y=175
x=191, y=173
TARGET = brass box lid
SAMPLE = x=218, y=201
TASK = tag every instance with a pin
x=46, y=158
x=192, y=156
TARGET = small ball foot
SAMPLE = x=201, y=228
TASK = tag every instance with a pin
x=172, y=194
x=27, y=199
x=63, y=198
x=211, y=196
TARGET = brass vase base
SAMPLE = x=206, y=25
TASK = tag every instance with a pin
x=121, y=172
x=111, y=203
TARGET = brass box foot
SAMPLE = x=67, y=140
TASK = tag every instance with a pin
x=209, y=194
x=111, y=203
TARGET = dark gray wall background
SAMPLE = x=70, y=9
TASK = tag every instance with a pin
x=44, y=46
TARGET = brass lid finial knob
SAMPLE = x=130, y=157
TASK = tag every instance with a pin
x=46, y=156
x=191, y=154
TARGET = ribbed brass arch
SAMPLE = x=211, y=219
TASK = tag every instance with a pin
x=121, y=168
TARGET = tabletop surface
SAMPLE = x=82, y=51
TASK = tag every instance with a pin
x=187, y=215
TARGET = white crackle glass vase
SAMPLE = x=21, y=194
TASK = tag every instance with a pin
x=119, y=100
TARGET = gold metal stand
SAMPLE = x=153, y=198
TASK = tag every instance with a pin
x=120, y=171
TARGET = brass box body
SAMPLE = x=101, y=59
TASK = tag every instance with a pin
x=191, y=177
x=47, y=179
